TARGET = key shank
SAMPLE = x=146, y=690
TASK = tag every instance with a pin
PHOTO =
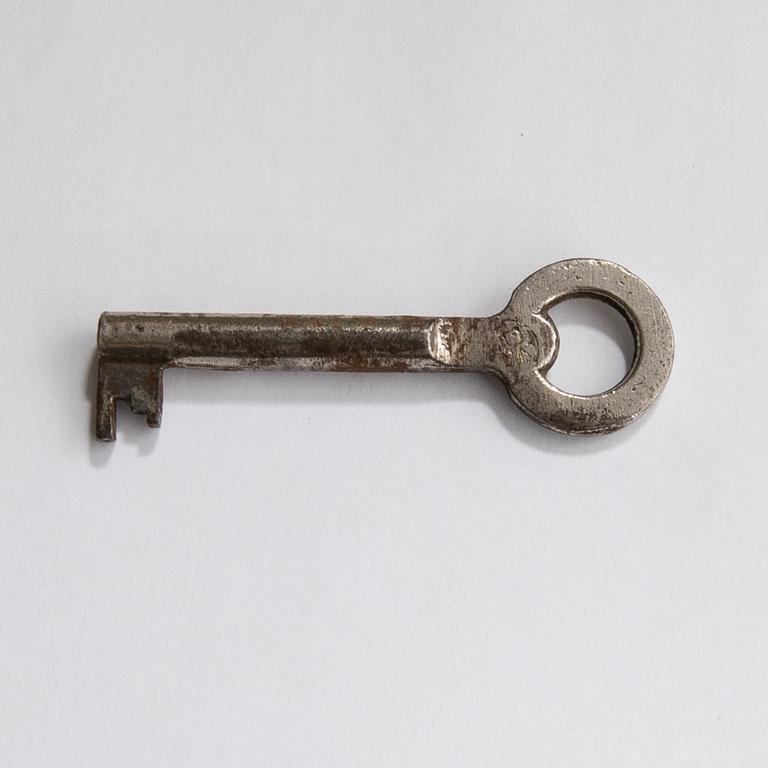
x=134, y=348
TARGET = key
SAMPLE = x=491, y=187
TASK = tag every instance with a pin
x=518, y=345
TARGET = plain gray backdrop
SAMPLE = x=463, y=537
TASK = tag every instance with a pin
x=393, y=570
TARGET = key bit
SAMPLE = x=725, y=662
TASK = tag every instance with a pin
x=517, y=345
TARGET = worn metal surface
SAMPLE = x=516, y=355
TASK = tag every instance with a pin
x=518, y=345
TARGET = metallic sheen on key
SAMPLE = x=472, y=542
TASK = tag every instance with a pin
x=517, y=345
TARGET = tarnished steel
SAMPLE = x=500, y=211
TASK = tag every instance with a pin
x=518, y=345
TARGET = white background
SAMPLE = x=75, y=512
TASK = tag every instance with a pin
x=328, y=570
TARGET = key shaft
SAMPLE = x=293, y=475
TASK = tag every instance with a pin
x=270, y=342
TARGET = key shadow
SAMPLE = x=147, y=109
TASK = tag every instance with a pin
x=261, y=389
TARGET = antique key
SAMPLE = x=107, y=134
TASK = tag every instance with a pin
x=518, y=345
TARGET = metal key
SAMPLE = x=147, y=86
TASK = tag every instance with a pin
x=518, y=345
